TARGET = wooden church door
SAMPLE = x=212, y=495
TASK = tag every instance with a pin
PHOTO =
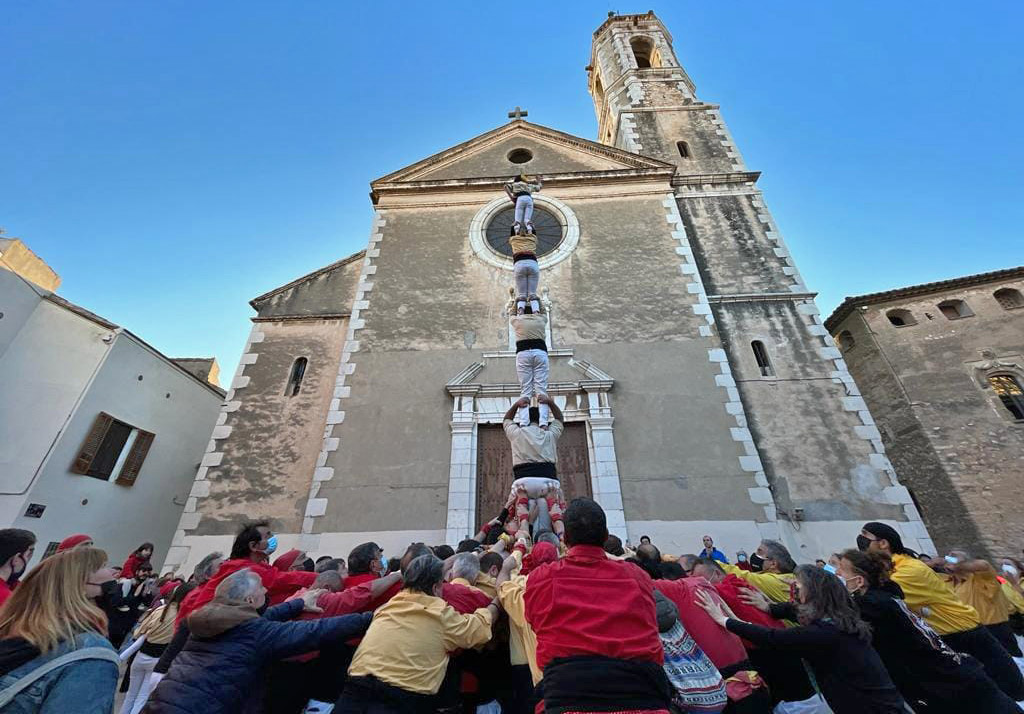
x=494, y=467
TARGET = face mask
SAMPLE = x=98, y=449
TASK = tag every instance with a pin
x=952, y=559
x=383, y=564
x=863, y=542
x=832, y=569
x=756, y=563
x=741, y=557
x=271, y=545
x=1010, y=570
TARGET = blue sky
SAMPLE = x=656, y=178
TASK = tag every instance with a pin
x=173, y=160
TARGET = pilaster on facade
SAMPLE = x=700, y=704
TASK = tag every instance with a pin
x=750, y=460
x=178, y=553
x=316, y=505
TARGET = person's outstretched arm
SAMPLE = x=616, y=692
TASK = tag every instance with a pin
x=521, y=402
x=287, y=639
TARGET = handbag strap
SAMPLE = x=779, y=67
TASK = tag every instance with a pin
x=18, y=687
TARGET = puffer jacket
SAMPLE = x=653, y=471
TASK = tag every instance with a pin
x=219, y=671
x=84, y=687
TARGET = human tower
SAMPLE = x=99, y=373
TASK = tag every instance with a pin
x=532, y=433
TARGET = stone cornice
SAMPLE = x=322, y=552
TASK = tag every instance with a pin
x=713, y=179
x=302, y=318
x=495, y=183
x=760, y=297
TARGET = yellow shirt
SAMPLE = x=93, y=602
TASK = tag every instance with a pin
x=410, y=637
x=930, y=597
x=487, y=584
x=982, y=591
x=1014, y=597
x=775, y=586
x=522, y=642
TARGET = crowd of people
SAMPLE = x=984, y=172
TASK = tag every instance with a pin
x=538, y=623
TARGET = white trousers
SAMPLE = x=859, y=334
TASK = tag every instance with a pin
x=139, y=686
x=524, y=209
x=532, y=369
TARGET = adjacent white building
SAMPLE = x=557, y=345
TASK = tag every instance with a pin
x=100, y=433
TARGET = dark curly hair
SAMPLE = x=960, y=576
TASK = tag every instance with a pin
x=825, y=598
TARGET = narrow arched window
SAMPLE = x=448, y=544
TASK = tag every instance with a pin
x=684, y=149
x=295, y=377
x=845, y=340
x=954, y=309
x=1008, y=298
x=761, y=355
x=1009, y=391
x=901, y=318
x=643, y=51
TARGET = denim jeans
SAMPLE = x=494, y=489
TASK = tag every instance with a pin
x=527, y=275
x=524, y=209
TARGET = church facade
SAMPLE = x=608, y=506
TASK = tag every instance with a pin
x=702, y=393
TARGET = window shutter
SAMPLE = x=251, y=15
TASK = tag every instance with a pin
x=92, y=443
x=133, y=464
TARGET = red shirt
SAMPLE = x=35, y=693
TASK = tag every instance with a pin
x=353, y=580
x=720, y=645
x=130, y=564
x=586, y=604
x=5, y=592
x=280, y=586
x=464, y=600
x=730, y=589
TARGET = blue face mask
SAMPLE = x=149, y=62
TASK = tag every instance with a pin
x=271, y=545
x=383, y=563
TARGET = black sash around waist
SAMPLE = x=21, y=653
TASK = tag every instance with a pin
x=538, y=469
x=591, y=683
x=523, y=345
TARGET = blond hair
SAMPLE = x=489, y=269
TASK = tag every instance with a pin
x=50, y=605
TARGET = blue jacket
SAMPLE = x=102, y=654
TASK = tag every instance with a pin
x=83, y=687
x=220, y=669
x=716, y=554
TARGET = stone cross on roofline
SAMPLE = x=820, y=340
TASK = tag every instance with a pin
x=517, y=114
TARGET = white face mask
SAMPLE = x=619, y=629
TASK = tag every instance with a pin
x=1010, y=570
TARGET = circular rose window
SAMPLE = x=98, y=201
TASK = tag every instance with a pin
x=546, y=226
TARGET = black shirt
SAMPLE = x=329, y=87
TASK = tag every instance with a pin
x=848, y=671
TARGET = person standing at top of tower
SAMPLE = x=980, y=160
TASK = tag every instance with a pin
x=521, y=190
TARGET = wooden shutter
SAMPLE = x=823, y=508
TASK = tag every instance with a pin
x=92, y=443
x=133, y=464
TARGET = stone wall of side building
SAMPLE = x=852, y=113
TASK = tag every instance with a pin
x=951, y=440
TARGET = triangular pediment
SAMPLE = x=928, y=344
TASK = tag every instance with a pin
x=553, y=152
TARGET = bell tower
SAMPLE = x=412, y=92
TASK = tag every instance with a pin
x=646, y=102
x=793, y=397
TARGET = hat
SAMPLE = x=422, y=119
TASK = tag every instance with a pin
x=666, y=612
x=881, y=530
x=72, y=540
